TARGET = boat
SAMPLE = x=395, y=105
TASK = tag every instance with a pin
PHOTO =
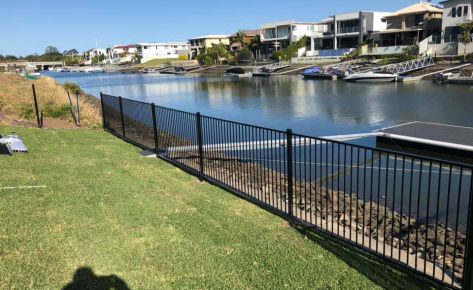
x=454, y=78
x=371, y=77
x=237, y=72
x=173, y=71
x=94, y=69
x=316, y=73
x=62, y=69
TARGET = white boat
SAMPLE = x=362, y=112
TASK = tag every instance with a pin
x=94, y=69
x=237, y=72
x=371, y=77
x=62, y=69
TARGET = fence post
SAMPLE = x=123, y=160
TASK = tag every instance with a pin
x=36, y=107
x=121, y=116
x=290, y=187
x=199, y=142
x=103, y=111
x=468, y=272
x=155, y=128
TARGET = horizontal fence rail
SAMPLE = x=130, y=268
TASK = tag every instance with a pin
x=412, y=210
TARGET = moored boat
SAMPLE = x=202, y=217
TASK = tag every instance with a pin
x=94, y=69
x=237, y=72
x=371, y=77
x=316, y=73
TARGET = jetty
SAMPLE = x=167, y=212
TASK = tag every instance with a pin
x=418, y=78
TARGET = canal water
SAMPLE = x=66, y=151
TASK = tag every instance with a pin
x=317, y=108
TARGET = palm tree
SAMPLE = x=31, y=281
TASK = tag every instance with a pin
x=240, y=37
x=255, y=45
x=467, y=29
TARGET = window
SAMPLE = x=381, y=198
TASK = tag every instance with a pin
x=454, y=12
x=384, y=20
x=465, y=11
x=459, y=11
x=419, y=19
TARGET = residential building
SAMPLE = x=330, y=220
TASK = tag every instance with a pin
x=90, y=54
x=168, y=50
x=455, y=12
x=279, y=35
x=123, y=53
x=410, y=25
x=346, y=31
x=198, y=43
x=249, y=35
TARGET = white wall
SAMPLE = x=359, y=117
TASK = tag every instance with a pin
x=162, y=50
x=378, y=24
x=448, y=20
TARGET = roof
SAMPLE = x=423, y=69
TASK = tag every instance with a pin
x=252, y=32
x=163, y=43
x=124, y=46
x=212, y=36
x=421, y=7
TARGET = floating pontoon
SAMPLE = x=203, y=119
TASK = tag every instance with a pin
x=437, y=139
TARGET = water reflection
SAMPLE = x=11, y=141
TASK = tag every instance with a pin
x=309, y=107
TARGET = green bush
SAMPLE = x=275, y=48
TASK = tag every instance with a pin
x=73, y=88
x=27, y=112
x=57, y=111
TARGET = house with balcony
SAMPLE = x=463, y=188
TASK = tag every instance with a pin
x=406, y=27
x=168, y=50
x=123, y=53
x=279, y=35
x=341, y=33
x=455, y=12
x=198, y=43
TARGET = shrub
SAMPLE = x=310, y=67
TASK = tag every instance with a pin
x=73, y=88
x=27, y=112
x=58, y=111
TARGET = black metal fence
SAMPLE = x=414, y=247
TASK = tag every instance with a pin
x=408, y=209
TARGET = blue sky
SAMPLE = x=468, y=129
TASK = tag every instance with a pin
x=28, y=26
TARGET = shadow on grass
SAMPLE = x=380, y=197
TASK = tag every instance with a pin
x=380, y=272
x=85, y=279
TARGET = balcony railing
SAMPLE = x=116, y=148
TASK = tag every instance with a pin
x=353, y=29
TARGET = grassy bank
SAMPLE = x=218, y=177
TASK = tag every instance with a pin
x=16, y=102
x=154, y=226
x=154, y=63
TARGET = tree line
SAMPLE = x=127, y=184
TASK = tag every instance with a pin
x=51, y=53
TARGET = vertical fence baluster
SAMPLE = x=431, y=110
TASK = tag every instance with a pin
x=468, y=266
x=103, y=111
x=290, y=189
x=121, y=115
x=155, y=129
x=199, y=142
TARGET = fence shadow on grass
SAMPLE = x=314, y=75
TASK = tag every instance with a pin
x=383, y=274
x=85, y=279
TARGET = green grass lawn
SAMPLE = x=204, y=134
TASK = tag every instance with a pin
x=154, y=226
x=154, y=62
